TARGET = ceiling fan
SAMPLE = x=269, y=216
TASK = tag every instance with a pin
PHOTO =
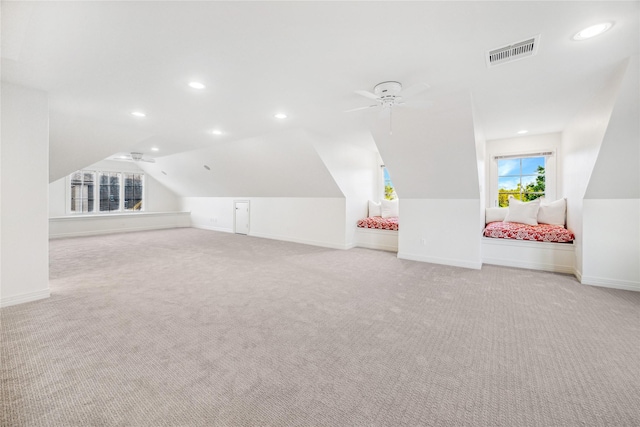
x=388, y=95
x=135, y=156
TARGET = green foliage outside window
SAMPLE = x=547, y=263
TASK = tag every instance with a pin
x=389, y=190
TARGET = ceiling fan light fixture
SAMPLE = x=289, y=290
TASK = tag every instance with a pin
x=592, y=31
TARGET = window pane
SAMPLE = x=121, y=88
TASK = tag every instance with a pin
x=133, y=192
x=389, y=189
x=510, y=183
x=530, y=165
x=82, y=192
x=109, y=192
x=528, y=181
x=508, y=167
x=88, y=178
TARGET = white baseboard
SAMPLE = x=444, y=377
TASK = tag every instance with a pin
x=603, y=282
x=443, y=261
x=578, y=275
x=112, y=231
x=22, y=298
x=567, y=269
x=211, y=228
x=302, y=241
x=378, y=246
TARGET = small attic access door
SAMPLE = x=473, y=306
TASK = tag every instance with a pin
x=241, y=222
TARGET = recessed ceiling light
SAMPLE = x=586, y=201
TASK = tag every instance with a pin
x=197, y=85
x=522, y=132
x=592, y=31
x=155, y=149
x=280, y=116
x=138, y=114
x=216, y=132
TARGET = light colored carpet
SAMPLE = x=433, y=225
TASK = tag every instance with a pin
x=191, y=327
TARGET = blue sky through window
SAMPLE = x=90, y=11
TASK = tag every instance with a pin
x=513, y=171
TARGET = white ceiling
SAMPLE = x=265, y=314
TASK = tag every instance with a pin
x=101, y=60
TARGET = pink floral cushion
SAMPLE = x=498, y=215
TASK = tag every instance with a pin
x=379, y=223
x=540, y=232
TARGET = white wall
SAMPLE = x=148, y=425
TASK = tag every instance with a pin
x=92, y=225
x=25, y=174
x=481, y=159
x=432, y=158
x=611, y=243
x=313, y=221
x=581, y=141
x=356, y=170
x=611, y=206
x=441, y=231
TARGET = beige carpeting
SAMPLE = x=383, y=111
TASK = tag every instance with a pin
x=191, y=327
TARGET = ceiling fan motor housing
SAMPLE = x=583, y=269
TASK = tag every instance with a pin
x=387, y=89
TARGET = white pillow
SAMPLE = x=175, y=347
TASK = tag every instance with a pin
x=495, y=214
x=552, y=213
x=524, y=213
x=389, y=208
x=374, y=209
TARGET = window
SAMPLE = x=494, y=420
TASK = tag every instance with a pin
x=520, y=177
x=109, y=191
x=133, y=191
x=82, y=197
x=389, y=189
x=113, y=191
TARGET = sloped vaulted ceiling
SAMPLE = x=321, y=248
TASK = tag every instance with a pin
x=283, y=164
x=99, y=60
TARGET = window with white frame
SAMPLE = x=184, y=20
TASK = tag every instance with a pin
x=113, y=191
x=389, y=191
x=523, y=176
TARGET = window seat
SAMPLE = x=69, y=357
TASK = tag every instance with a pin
x=541, y=232
x=95, y=224
x=535, y=255
x=377, y=233
x=539, y=247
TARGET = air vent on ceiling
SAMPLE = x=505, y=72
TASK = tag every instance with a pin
x=513, y=52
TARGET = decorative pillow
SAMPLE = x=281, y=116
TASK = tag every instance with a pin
x=523, y=212
x=389, y=208
x=552, y=213
x=374, y=209
x=495, y=214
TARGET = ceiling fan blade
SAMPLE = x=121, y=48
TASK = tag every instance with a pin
x=416, y=104
x=414, y=90
x=367, y=94
x=360, y=108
